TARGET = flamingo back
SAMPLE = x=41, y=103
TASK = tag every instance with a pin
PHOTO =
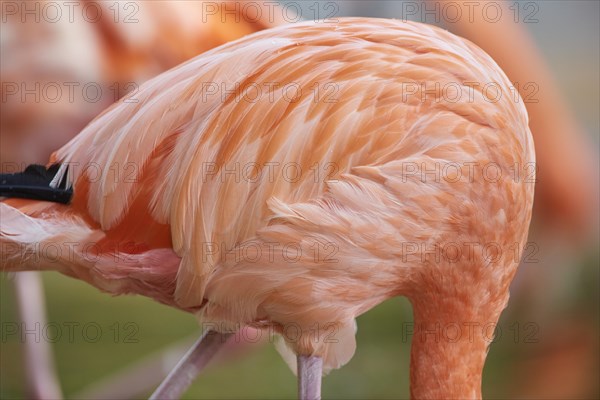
x=289, y=169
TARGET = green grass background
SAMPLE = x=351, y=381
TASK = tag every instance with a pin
x=379, y=369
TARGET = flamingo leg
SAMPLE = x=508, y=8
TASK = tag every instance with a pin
x=310, y=371
x=190, y=366
x=42, y=380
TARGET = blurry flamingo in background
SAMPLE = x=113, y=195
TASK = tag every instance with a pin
x=157, y=216
x=82, y=66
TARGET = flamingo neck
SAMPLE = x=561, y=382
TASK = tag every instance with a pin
x=449, y=347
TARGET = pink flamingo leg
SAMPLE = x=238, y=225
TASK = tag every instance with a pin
x=190, y=366
x=310, y=371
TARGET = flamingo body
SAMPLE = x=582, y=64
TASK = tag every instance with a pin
x=302, y=206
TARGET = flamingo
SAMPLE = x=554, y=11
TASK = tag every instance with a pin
x=294, y=179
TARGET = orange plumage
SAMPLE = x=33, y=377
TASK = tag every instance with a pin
x=302, y=205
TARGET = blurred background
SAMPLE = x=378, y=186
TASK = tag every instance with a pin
x=63, y=64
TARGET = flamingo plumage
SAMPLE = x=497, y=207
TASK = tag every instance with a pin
x=310, y=203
